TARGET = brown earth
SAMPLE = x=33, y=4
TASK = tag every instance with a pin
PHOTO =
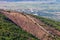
x=30, y=24
x=52, y=30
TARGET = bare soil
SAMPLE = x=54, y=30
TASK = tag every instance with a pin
x=31, y=25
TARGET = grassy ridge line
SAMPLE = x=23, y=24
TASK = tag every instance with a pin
x=49, y=22
x=10, y=31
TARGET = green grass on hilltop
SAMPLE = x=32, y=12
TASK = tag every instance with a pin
x=10, y=31
x=49, y=22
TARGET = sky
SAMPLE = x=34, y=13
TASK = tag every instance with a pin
x=27, y=0
x=58, y=1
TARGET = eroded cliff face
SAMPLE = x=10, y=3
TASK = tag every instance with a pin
x=29, y=24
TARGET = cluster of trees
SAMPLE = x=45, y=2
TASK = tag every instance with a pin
x=10, y=31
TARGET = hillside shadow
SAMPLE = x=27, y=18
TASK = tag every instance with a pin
x=8, y=20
